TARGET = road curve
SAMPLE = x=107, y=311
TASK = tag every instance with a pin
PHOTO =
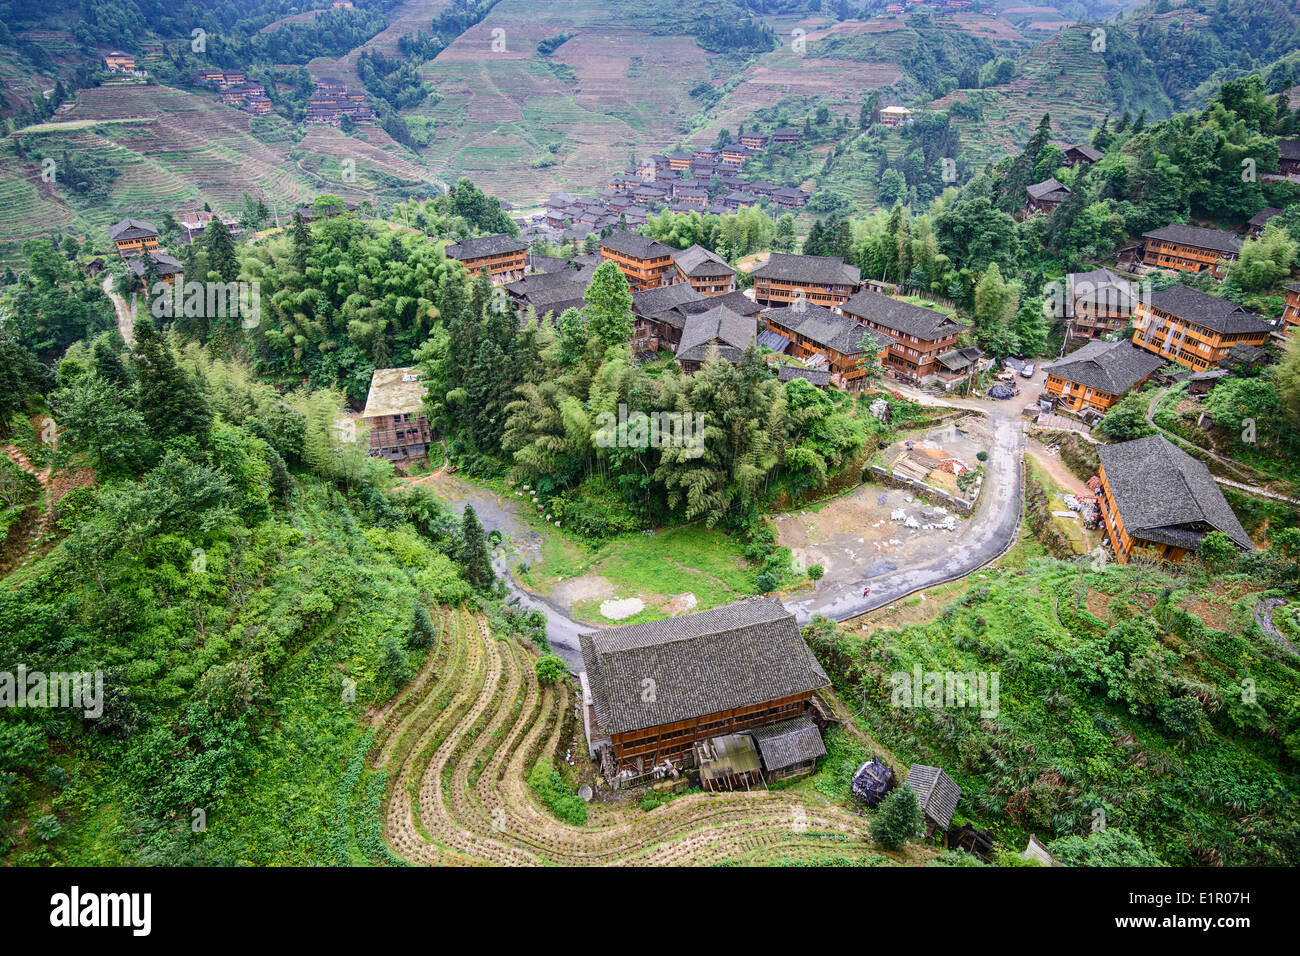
x=987, y=535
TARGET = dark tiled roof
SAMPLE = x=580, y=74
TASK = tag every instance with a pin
x=166, y=265
x=1210, y=311
x=652, y=301
x=936, y=793
x=131, y=229
x=1100, y=287
x=731, y=333
x=958, y=360
x=788, y=743
x=698, y=261
x=1113, y=367
x=1264, y=215
x=1292, y=286
x=1201, y=237
x=1087, y=152
x=818, y=270
x=817, y=376
x=926, y=324
x=735, y=656
x=1049, y=189
x=1288, y=148
x=630, y=244
x=776, y=342
x=484, y=246
x=826, y=329
x=737, y=302
x=1160, y=491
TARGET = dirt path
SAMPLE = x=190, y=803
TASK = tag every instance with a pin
x=125, y=318
x=1264, y=618
x=461, y=740
x=42, y=525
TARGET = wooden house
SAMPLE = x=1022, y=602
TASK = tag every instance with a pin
x=1190, y=248
x=164, y=268
x=705, y=271
x=399, y=429
x=503, y=256
x=754, y=140
x=652, y=691
x=789, y=748
x=1097, y=302
x=718, y=331
x=133, y=236
x=819, y=280
x=785, y=135
x=1291, y=312
x=645, y=262
x=1099, y=374
x=839, y=342
x=1159, y=502
x=679, y=161
x=119, y=62
x=1288, y=157
x=1045, y=196
x=1194, y=329
x=1082, y=155
x=1255, y=228
x=919, y=335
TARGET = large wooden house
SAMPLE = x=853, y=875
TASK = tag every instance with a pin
x=819, y=280
x=1291, y=312
x=133, y=236
x=399, y=429
x=919, y=335
x=1159, y=502
x=1097, y=303
x=895, y=116
x=845, y=348
x=1190, y=248
x=652, y=691
x=661, y=314
x=119, y=62
x=706, y=272
x=1194, y=329
x=156, y=264
x=1099, y=374
x=645, y=262
x=504, y=257
x=1288, y=157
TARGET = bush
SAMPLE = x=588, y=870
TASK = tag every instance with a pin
x=898, y=819
x=551, y=669
x=422, y=632
x=766, y=581
x=816, y=572
x=557, y=795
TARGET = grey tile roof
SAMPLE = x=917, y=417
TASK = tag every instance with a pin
x=1209, y=311
x=1216, y=240
x=630, y=244
x=767, y=339
x=1049, y=189
x=1100, y=287
x=652, y=301
x=698, y=261
x=788, y=743
x=733, y=656
x=737, y=302
x=1164, y=494
x=926, y=324
x=1113, y=367
x=731, y=332
x=1087, y=152
x=936, y=793
x=817, y=270
x=1289, y=148
x=827, y=329
x=484, y=246
x=131, y=229
x=1264, y=215
x=166, y=265
x=820, y=377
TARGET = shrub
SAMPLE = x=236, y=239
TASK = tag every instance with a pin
x=898, y=819
x=766, y=581
x=422, y=633
x=551, y=669
x=816, y=571
x=557, y=795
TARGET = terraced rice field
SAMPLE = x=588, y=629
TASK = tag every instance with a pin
x=458, y=745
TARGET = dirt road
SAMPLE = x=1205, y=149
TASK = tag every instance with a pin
x=125, y=319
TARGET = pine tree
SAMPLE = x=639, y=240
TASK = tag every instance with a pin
x=169, y=400
x=898, y=819
x=609, y=307
x=300, y=234
x=221, y=251
x=422, y=631
x=475, y=562
x=394, y=667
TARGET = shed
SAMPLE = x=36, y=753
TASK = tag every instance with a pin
x=937, y=795
x=789, y=748
x=729, y=762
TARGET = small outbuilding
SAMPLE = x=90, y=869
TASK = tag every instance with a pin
x=789, y=748
x=872, y=781
x=937, y=795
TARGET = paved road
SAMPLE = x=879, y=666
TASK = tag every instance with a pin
x=986, y=536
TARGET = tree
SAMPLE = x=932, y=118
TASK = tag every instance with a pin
x=394, y=666
x=20, y=378
x=169, y=400
x=898, y=819
x=609, y=307
x=422, y=632
x=302, y=242
x=475, y=562
x=1218, y=551
x=221, y=251
x=551, y=669
x=1127, y=418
